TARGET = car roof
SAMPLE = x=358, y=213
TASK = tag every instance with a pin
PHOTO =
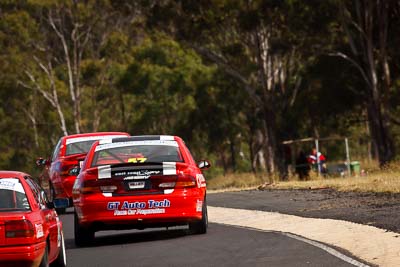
x=145, y=138
x=12, y=174
x=94, y=134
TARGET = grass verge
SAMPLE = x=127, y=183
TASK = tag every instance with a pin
x=387, y=181
x=377, y=183
x=234, y=182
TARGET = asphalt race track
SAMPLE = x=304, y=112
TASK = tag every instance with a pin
x=221, y=246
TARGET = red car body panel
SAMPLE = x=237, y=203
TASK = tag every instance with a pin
x=60, y=178
x=46, y=227
x=139, y=208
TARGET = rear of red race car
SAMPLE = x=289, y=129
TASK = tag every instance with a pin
x=30, y=231
x=18, y=245
x=139, y=182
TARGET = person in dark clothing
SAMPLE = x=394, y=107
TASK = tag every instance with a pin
x=302, y=166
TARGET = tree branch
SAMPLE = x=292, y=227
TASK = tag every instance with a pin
x=392, y=118
x=45, y=94
x=355, y=64
x=295, y=91
x=66, y=55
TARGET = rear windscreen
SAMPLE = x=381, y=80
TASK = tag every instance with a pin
x=82, y=145
x=137, y=152
x=79, y=147
x=12, y=195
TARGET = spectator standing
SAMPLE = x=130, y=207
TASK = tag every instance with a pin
x=313, y=160
x=302, y=166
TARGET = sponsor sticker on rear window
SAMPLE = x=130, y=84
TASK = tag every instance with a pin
x=11, y=184
x=12, y=195
x=137, y=160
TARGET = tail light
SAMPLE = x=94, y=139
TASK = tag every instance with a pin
x=176, y=181
x=185, y=181
x=19, y=228
x=92, y=185
x=89, y=186
x=92, y=173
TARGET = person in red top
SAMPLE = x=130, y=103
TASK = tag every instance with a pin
x=312, y=159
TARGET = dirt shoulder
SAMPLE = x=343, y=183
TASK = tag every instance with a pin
x=381, y=210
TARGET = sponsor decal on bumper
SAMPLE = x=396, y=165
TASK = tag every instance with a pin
x=136, y=208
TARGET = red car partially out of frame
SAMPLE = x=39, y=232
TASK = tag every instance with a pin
x=139, y=182
x=30, y=230
x=64, y=164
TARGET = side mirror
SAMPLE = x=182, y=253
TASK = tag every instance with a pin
x=204, y=164
x=75, y=171
x=40, y=162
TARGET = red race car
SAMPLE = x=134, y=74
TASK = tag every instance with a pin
x=64, y=166
x=30, y=230
x=139, y=182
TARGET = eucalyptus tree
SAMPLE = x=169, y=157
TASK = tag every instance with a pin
x=160, y=83
x=261, y=45
x=72, y=36
x=371, y=28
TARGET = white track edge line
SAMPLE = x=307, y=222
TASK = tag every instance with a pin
x=328, y=249
x=319, y=245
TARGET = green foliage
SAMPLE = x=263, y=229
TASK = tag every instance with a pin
x=142, y=70
x=163, y=78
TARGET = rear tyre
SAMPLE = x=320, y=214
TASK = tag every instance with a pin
x=200, y=227
x=61, y=260
x=45, y=259
x=84, y=236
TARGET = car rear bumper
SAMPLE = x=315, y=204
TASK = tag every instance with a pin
x=26, y=255
x=126, y=212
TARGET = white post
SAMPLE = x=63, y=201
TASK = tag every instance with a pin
x=347, y=156
x=317, y=148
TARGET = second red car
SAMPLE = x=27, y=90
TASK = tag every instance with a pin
x=64, y=165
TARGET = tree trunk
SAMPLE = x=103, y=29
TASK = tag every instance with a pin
x=232, y=150
x=371, y=153
x=369, y=47
x=223, y=160
x=259, y=157
x=381, y=139
x=275, y=158
x=252, y=156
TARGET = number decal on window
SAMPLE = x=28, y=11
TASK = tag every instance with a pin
x=137, y=160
